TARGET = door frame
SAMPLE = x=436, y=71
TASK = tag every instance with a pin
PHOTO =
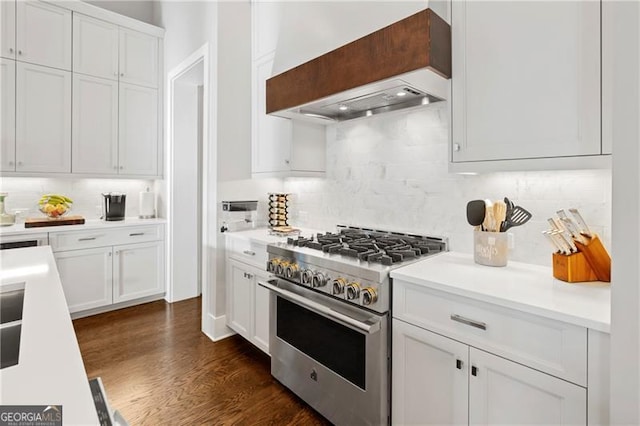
x=201, y=55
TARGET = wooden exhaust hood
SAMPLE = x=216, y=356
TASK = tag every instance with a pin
x=410, y=58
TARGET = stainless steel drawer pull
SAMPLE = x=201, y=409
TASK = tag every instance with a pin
x=467, y=321
x=249, y=253
x=136, y=234
x=87, y=239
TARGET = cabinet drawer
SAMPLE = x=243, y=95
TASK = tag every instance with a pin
x=247, y=251
x=76, y=240
x=555, y=347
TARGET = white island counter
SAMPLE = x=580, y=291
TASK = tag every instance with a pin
x=50, y=370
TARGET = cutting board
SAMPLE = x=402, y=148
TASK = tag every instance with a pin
x=39, y=222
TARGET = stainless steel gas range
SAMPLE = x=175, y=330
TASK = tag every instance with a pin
x=330, y=322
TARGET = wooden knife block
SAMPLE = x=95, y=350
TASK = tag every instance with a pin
x=590, y=263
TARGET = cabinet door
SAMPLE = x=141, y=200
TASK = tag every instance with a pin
x=43, y=119
x=429, y=377
x=508, y=103
x=138, y=58
x=8, y=115
x=86, y=277
x=261, y=314
x=265, y=25
x=138, y=271
x=95, y=47
x=43, y=34
x=95, y=125
x=240, y=287
x=271, y=136
x=138, y=124
x=503, y=392
x=8, y=29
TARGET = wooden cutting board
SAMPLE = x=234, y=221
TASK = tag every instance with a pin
x=39, y=222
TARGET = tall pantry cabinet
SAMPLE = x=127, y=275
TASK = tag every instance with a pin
x=85, y=87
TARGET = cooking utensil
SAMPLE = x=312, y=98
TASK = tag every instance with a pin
x=510, y=207
x=475, y=212
x=519, y=216
x=499, y=214
x=582, y=225
x=488, y=216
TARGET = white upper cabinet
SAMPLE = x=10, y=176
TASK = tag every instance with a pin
x=95, y=125
x=138, y=58
x=43, y=34
x=95, y=47
x=265, y=19
x=138, y=135
x=526, y=80
x=43, y=119
x=8, y=29
x=8, y=115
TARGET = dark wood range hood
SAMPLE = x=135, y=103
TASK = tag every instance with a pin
x=411, y=57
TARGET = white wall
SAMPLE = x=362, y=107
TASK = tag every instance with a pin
x=390, y=172
x=141, y=10
x=24, y=193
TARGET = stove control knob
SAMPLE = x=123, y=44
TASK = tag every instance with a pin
x=272, y=265
x=281, y=266
x=306, y=277
x=353, y=291
x=291, y=271
x=319, y=280
x=338, y=286
x=369, y=296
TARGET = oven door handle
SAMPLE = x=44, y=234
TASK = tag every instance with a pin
x=366, y=327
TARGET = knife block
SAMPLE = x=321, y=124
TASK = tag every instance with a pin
x=590, y=263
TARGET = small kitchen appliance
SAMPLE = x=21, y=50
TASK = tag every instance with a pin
x=113, y=206
x=330, y=322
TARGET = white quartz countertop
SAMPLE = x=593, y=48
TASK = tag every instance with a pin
x=50, y=369
x=89, y=224
x=262, y=236
x=521, y=286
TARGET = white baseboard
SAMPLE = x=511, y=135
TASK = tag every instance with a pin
x=216, y=327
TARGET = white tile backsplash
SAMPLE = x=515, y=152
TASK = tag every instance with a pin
x=391, y=172
x=24, y=193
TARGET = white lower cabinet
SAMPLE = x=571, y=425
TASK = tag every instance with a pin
x=86, y=277
x=248, y=303
x=138, y=271
x=99, y=268
x=437, y=380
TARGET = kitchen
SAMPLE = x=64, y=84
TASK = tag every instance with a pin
x=388, y=172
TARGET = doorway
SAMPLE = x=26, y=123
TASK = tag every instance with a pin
x=187, y=153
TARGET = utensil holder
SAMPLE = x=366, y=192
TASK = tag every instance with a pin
x=572, y=268
x=598, y=258
x=490, y=248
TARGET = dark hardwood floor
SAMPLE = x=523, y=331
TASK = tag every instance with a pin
x=158, y=368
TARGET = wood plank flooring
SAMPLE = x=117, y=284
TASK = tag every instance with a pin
x=158, y=368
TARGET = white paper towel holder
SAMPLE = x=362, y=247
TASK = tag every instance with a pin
x=147, y=205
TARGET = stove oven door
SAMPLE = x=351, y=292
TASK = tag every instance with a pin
x=332, y=355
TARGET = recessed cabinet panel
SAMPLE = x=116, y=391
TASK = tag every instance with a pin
x=8, y=115
x=86, y=277
x=138, y=58
x=261, y=314
x=43, y=119
x=240, y=289
x=503, y=392
x=138, y=271
x=95, y=47
x=95, y=125
x=430, y=377
x=43, y=34
x=8, y=29
x=271, y=136
x=138, y=131
x=526, y=80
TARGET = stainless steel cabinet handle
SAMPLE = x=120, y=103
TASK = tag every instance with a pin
x=19, y=52
x=11, y=163
x=249, y=253
x=117, y=252
x=249, y=276
x=121, y=74
x=459, y=364
x=87, y=239
x=11, y=50
x=109, y=254
x=286, y=161
x=19, y=163
x=121, y=167
x=136, y=234
x=467, y=321
x=115, y=167
x=474, y=370
x=368, y=327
